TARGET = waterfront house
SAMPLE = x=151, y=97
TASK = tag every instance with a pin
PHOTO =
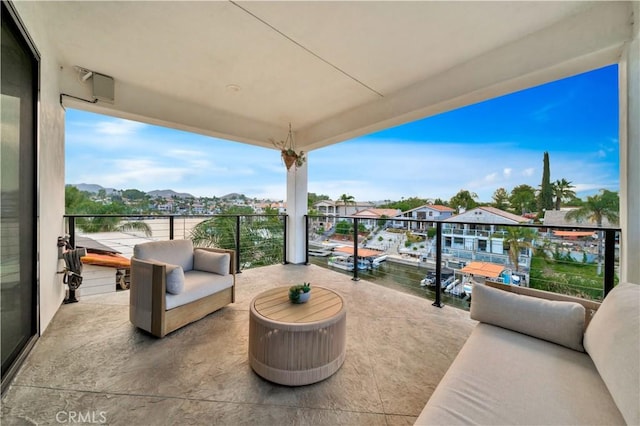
x=558, y=218
x=475, y=240
x=331, y=209
x=371, y=217
x=427, y=212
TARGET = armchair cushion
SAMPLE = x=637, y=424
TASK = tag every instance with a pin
x=209, y=261
x=612, y=341
x=175, y=279
x=554, y=321
x=176, y=252
x=174, y=276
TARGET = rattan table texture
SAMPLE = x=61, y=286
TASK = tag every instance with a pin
x=297, y=344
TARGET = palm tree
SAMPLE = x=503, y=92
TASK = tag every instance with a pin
x=518, y=239
x=261, y=238
x=111, y=224
x=562, y=191
x=606, y=204
x=346, y=200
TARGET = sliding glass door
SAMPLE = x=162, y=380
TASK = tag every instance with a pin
x=18, y=286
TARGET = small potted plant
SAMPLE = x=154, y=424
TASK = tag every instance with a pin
x=300, y=293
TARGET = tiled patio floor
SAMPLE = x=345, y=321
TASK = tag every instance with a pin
x=92, y=362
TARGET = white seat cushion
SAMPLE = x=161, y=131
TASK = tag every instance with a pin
x=501, y=377
x=198, y=284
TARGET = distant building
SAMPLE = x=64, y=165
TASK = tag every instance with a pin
x=427, y=212
x=557, y=218
x=332, y=209
x=482, y=242
x=370, y=218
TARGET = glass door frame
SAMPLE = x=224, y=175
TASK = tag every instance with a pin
x=10, y=14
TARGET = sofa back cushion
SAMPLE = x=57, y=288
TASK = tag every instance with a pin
x=554, y=321
x=612, y=340
x=177, y=252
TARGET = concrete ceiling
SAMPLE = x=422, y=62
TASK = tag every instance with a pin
x=334, y=70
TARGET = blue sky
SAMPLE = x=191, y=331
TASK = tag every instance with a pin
x=482, y=147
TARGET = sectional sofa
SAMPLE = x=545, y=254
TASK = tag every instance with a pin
x=542, y=362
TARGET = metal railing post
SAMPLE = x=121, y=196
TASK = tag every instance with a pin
x=609, y=259
x=171, y=226
x=355, y=250
x=238, y=244
x=438, y=302
x=285, y=225
x=306, y=240
x=72, y=231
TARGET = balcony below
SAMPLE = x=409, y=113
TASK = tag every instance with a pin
x=92, y=362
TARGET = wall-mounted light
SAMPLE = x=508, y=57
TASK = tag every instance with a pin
x=87, y=75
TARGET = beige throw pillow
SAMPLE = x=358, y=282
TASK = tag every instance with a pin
x=209, y=261
x=174, y=276
x=554, y=321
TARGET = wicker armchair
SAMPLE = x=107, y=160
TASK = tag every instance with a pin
x=173, y=284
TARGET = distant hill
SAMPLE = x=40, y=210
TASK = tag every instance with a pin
x=232, y=196
x=168, y=193
x=92, y=187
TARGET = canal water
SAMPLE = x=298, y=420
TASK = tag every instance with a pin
x=404, y=278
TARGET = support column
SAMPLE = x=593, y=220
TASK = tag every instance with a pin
x=629, y=93
x=296, y=209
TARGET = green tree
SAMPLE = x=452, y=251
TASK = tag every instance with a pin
x=464, y=199
x=76, y=201
x=346, y=200
x=440, y=202
x=405, y=204
x=343, y=227
x=500, y=199
x=313, y=198
x=562, y=190
x=133, y=195
x=111, y=223
x=523, y=199
x=574, y=201
x=545, y=196
x=261, y=238
x=518, y=239
x=605, y=204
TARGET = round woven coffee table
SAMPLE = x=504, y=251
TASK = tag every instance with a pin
x=297, y=344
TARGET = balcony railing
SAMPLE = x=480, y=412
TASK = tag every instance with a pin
x=438, y=253
x=425, y=262
x=257, y=239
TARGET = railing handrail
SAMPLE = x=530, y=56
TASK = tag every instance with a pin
x=166, y=216
x=520, y=225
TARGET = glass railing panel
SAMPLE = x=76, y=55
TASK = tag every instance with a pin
x=257, y=239
x=539, y=259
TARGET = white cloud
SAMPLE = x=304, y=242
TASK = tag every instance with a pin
x=528, y=172
x=507, y=172
x=118, y=127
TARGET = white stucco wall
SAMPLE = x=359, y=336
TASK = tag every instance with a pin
x=50, y=196
x=630, y=155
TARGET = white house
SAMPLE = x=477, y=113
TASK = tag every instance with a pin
x=427, y=212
